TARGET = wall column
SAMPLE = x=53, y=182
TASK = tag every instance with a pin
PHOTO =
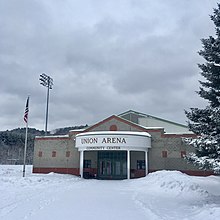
x=81, y=163
x=146, y=162
x=128, y=164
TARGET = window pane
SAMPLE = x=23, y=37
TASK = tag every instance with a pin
x=164, y=153
x=54, y=153
x=140, y=164
x=87, y=164
x=67, y=153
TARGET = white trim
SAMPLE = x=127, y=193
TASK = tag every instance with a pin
x=115, y=132
x=146, y=163
x=113, y=140
x=81, y=163
x=128, y=164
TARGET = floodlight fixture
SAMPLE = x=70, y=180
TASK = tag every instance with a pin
x=46, y=81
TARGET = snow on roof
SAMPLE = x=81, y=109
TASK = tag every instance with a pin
x=52, y=136
x=152, y=128
x=188, y=132
x=78, y=130
x=115, y=133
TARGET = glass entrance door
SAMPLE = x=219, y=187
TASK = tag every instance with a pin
x=105, y=167
x=112, y=165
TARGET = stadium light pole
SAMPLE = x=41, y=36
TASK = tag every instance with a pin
x=46, y=81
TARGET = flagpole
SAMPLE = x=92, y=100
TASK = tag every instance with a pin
x=26, y=133
x=25, y=149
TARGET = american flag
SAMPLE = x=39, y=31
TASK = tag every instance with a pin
x=26, y=111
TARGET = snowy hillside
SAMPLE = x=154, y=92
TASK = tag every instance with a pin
x=160, y=195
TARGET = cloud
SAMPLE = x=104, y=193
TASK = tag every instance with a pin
x=105, y=57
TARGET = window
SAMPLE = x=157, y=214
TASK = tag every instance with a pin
x=67, y=153
x=40, y=154
x=140, y=164
x=183, y=154
x=113, y=128
x=54, y=153
x=164, y=153
x=87, y=164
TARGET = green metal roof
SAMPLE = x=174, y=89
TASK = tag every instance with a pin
x=139, y=114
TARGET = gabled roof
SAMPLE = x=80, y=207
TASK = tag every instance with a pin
x=141, y=128
x=139, y=114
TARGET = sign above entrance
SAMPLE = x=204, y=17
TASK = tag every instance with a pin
x=113, y=140
x=103, y=148
x=103, y=140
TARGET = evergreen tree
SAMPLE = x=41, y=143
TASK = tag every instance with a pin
x=206, y=122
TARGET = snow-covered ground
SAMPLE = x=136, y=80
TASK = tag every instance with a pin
x=160, y=195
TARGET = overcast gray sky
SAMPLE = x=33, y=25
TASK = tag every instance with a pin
x=105, y=57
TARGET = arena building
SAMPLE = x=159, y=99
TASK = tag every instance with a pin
x=126, y=146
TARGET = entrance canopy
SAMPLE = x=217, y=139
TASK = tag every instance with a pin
x=113, y=140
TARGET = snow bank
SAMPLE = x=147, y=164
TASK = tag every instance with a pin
x=11, y=176
x=172, y=194
x=173, y=184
